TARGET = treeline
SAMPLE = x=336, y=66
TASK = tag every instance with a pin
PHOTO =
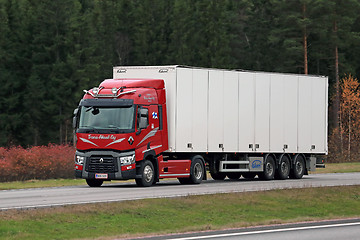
x=51, y=50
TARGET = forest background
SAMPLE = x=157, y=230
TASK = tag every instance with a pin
x=50, y=50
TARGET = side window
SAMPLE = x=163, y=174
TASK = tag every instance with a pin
x=143, y=118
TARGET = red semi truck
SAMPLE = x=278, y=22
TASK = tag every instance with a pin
x=155, y=122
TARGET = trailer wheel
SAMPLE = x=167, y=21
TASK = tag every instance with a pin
x=233, y=175
x=147, y=174
x=283, y=170
x=249, y=175
x=269, y=169
x=94, y=182
x=197, y=171
x=214, y=170
x=298, y=169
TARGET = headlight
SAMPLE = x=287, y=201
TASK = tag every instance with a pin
x=79, y=160
x=127, y=160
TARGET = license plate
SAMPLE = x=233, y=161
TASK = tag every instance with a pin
x=101, y=175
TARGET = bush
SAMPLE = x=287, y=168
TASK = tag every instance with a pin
x=40, y=162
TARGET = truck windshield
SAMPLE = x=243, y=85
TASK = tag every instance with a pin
x=112, y=119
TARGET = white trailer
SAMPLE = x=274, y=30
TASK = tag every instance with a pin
x=234, y=117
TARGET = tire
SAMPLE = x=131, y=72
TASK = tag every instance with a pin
x=298, y=169
x=269, y=169
x=233, y=175
x=283, y=170
x=147, y=174
x=94, y=182
x=197, y=171
x=249, y=175
x=214, y=170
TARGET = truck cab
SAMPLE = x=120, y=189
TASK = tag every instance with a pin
x=118, y=126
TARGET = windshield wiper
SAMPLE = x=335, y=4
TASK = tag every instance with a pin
x=89, y=129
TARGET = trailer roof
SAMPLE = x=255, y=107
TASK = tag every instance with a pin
x=164, y=67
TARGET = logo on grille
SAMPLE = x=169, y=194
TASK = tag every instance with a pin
x=131, y=140
x=101, y=160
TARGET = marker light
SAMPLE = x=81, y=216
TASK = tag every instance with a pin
x=95, y=90
x=114, y=90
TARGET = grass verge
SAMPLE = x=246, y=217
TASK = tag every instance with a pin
x=41, y=183
x=192, y=213
x=339, y=168
x=46, y=183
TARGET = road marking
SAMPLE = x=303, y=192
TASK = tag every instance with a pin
x=268, y=231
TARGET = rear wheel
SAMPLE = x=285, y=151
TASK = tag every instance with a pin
x=283, y=170
x=94, y=182
x=298, y=169
x=197, y=171
x=147, y=174
x=269, y=169
x=233, y=175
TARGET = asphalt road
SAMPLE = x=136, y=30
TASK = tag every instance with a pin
x=47, y=197
x=348, y=229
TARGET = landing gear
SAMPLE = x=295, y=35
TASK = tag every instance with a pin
x=214, y=170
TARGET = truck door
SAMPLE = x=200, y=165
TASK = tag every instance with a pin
x=148, y=127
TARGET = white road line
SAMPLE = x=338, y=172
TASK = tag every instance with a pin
x=268, y=231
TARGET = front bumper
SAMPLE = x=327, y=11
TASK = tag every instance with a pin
x=105, y=162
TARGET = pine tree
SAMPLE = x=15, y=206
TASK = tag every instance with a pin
x=50, y=85
x=15, y=67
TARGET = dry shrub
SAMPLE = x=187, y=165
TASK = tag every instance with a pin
x=39, y=162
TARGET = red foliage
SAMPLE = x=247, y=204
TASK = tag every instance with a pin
x=40, y=162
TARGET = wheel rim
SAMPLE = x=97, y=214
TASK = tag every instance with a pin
x=269, y=168
x=198, y=171
x=284, y=167
x=148, y=173
x=299, y=167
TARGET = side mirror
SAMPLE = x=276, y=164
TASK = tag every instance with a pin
x=76, y=110
x=143, y=123
x=143, y=117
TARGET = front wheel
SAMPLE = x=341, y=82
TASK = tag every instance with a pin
x=94, y=182
x=147, y=174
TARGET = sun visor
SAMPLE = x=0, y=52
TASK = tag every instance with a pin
x=107, y=102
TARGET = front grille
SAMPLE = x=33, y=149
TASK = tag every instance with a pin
x=101, y=164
